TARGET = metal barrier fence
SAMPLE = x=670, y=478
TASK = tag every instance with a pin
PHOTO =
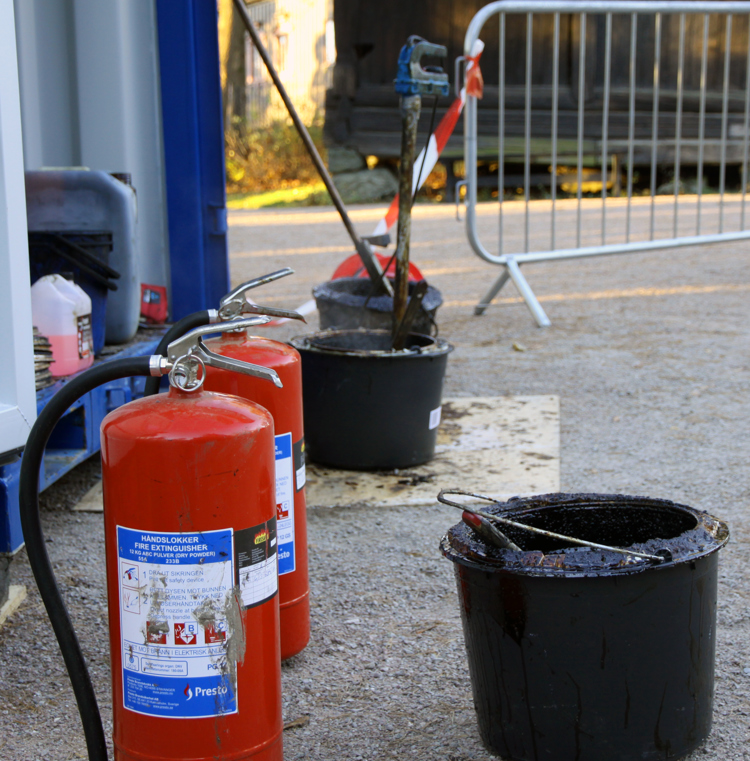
x=693, y=111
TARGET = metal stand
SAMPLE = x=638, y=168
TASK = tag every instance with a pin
x=511, y=271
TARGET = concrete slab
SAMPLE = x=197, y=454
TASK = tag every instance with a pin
x=499, y=446
x=16, y=595
x=495, y=445
x=92, y=501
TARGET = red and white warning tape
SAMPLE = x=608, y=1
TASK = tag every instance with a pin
x=474, y=86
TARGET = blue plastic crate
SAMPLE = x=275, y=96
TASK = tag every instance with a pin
x=75, y=439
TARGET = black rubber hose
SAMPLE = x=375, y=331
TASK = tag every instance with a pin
x=191, y=321
x=36, y=547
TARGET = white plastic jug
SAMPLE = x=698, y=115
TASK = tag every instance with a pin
x=61, y=310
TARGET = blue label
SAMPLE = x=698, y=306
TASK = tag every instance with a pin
x=181, y=697
x=285, y=502
x=283, y=446
x=286, y=558
x=174, y=549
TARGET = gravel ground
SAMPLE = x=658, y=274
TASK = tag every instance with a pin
x=650, y=355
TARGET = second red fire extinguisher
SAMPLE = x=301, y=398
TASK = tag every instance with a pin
x=285, y=406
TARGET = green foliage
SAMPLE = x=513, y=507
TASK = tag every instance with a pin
x=314, y=194
x=269, y=158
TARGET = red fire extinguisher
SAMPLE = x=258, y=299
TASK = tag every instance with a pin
x=192, y=542
x=285, y=406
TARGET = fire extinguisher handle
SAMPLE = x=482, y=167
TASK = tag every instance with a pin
x=233, y=309
x=236, y=303
x=189, y=322
x=240, y=291
x=191, y=345
x=36, y=546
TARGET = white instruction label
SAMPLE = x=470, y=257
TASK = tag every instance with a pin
x=298, y=450
x=257, y=566
x=285, y=502
x=85, y=339
x=174, y=589
x=435, y=417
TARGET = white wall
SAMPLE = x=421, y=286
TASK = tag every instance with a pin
x=90, y=97
x=17, y=393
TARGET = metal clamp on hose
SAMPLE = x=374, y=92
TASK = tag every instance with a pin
x=412, y=78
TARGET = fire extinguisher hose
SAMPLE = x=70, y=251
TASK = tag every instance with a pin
x=187, y=323
x=36, y=548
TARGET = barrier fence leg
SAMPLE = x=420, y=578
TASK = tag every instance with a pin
x=528, y=295
x=481, y=307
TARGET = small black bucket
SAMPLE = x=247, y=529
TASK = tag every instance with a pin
x=367, y=407
x=348, y=303
x=577, y=653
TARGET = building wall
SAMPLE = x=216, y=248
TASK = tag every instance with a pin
x=299, y=37
x=89, y=81
x=17, y=397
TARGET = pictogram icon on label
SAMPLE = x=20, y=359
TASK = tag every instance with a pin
x=156, y=632
x=129, y=575
x=186, y=633
x=131, y=601
x=216, y=632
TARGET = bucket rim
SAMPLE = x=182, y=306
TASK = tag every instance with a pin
x=518, y=507
x=434, y=347
x=337, y=290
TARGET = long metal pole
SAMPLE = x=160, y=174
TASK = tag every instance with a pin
x=372, y=265
x=555, y=104
x=581, y=98
x=605, y=121
x=410, y=108
x=678, y=124
x=527, y=132
x=655, y=118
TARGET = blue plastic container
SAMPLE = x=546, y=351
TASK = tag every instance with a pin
x=82, y=200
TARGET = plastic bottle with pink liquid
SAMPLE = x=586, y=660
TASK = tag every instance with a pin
x=61, y=310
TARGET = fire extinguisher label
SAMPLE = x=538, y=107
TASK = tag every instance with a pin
x=255, y=558
x=285, y=502
x=175, y=589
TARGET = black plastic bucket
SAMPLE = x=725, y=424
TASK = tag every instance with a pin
x=347, y=303
x=367, y=407
x=582, y=654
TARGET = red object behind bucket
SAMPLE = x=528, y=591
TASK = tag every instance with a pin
x=154, y=304
x=353, y=267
